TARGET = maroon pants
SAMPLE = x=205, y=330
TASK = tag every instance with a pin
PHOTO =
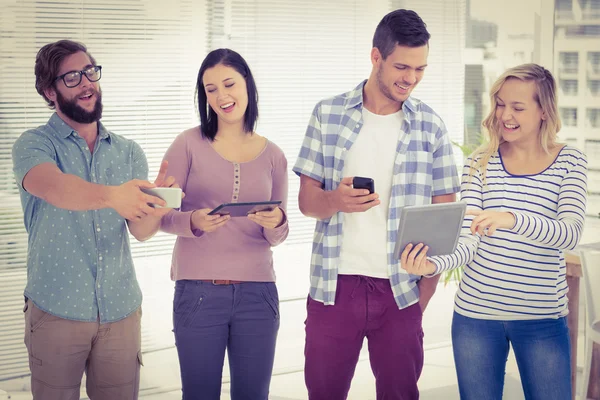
x=60, y=350
x=364, y=307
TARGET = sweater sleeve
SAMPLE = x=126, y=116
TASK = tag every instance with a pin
x=471, y=193
x=179, y=222
x=277, y=235
x=565, y=231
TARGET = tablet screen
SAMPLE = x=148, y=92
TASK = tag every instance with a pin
x=243, y=209
x=435, y=225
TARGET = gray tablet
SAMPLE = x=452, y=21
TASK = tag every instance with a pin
x=243, y=209
x=435, y=225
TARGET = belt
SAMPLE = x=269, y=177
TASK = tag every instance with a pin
x=221, y=281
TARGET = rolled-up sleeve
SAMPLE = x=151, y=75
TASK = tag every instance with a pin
x=310, y=159
x=32, y=148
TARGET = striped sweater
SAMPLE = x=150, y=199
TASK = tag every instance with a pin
x=520, y=273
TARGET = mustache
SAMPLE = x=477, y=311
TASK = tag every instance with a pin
x=88, y=92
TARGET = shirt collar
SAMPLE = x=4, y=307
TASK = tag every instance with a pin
x=355, y=98
x=64, y=130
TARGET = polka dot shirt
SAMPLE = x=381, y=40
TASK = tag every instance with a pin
x=79, y=263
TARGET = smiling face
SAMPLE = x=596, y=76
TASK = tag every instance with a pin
x=518, y=112
x=226, y=93
x=400, y=72
x=82, y=103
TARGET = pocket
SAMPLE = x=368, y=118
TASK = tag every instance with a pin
x=34, y=319
x=194, y=310
x=37, y=317
x=139, y=358
x=271, y=299
x=179, y=291
x=419, y=164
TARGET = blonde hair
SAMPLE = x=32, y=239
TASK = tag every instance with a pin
x=545, y=95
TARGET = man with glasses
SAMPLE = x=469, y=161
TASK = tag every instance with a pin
x=80, y=189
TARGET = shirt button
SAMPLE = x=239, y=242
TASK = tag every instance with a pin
x=100, y=258
x=97, y=229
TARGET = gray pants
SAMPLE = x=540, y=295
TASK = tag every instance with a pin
x=61, y=350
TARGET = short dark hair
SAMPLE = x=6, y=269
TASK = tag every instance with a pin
x=208, y=118
x=400, y=27
x=47, y=64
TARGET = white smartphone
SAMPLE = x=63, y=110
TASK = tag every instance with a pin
x=169, y=194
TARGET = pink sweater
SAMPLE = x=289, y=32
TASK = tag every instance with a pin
x=240, y=249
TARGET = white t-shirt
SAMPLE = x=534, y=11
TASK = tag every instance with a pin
x=364, y=241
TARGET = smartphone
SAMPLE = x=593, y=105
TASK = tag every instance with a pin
x=172, y=196
x=359, y=182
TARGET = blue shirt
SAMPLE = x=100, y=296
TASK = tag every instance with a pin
x=424, y=167
x=79, y=264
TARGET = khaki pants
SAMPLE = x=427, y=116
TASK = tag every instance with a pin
x=60, y=350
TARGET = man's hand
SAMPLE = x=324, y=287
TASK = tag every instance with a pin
x=414, y=260
x=130, y=202
x=347, y=199
x=486, y=222
x=208, y=223
x=146, y=220
x=268, y=219
x=162, y=180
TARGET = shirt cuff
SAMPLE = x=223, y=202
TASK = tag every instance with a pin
x=180, y=223
x=278, y=234
x=519, y=220
x=438, y=267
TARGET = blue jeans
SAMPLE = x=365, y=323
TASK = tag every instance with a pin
x=542, y=349
x=242, y=318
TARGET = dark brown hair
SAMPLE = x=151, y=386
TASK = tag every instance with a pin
x=47, y=64
x=209, y=121
x=400, y=27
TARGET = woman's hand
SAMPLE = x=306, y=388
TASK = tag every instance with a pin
x=208, y=223
x=268, y=219
x=414, y=260
x=486, y=222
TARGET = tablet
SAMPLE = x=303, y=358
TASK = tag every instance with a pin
x=243, y=209
x=435, y=225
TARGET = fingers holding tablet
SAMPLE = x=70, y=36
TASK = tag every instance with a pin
x=202, y=220
x=268, y=219
x=414, y=260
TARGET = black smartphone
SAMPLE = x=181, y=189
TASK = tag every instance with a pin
x=359, y=182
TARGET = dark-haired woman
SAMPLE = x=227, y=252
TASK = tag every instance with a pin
x=225, y=294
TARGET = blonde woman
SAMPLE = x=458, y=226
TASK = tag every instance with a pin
x=526, y=195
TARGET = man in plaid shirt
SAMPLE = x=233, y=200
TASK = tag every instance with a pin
x=358, y=289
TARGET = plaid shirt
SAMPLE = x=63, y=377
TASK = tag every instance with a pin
x=424, y=167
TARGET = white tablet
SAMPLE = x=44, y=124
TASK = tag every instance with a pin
x=435, y=225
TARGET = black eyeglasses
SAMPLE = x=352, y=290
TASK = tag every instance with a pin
x=73, y=78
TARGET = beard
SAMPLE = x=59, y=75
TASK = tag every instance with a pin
x=72, y=110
